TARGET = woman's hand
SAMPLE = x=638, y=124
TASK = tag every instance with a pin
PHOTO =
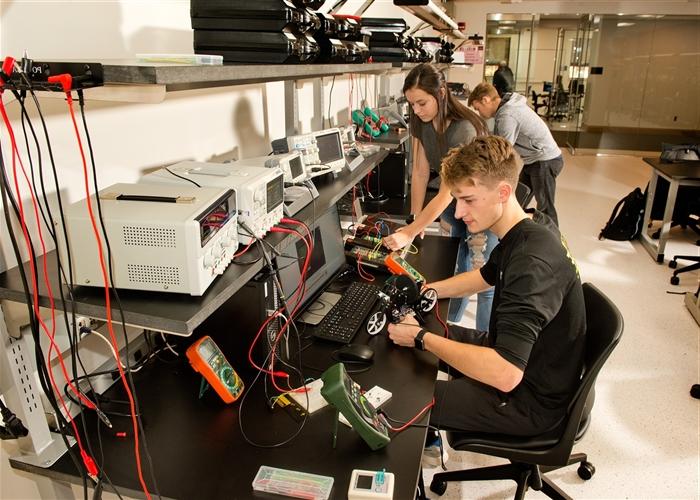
x=401, y=238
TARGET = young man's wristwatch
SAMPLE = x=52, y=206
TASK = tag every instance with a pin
x=418, y=340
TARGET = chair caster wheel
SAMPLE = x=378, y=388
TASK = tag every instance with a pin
x=585, y=470
x=439, y=487
x=675, y=280
x=672, y=264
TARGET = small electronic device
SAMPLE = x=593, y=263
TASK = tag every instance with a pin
x=162, y=237
x=291, y=164
x=297, y=197
x=322, y=151
x=398, y=265
x=207, y=359
x=330, y=149
x=399, y=297
x=353, y=159
x=305, y=144
x=371, y=485
x=376, y=395
x=346, y=396
x=366, y=240
x=259, y=190
x=313, y=392
x=292, y=483
x=365, y=256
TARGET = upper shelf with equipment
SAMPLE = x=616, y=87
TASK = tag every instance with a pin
x=428, y=11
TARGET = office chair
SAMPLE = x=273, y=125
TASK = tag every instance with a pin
x=685, y=269
x=523, y=194
x=532, y=457
x=558, y=108
x=535, y=101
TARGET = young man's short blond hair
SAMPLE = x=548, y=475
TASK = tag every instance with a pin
x=482, y=90
x=489, y=159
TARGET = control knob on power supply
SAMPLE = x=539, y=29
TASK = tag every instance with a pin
x=209, y=261
x=225, y=242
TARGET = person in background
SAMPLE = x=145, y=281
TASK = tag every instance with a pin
x=503, y=79
x=520, y=377
x=439, y=122
x=532, y=139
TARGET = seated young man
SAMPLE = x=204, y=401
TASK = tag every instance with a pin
x=520, y=376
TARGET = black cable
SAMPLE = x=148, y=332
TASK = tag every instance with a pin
x=264, y=364
x=13, y=428
x=42, y=370
x=73, y=339
x=148, y=357
x=113, y=290
x=183, y=178
x=49, y=221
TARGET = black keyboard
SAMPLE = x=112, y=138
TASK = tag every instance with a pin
x=348, y=314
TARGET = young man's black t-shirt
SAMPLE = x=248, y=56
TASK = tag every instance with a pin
x=538, y=321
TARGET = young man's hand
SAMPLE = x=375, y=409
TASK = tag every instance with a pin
x=404, y=333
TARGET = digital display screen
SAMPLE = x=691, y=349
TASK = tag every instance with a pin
x=327, y=258
x=318, y=259
x=216, y=217
x=364, y=482
x=296, y=167
x=275, y=193
x=206, y=350
x=330, y=147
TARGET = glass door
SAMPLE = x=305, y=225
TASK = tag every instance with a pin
x=574, y=77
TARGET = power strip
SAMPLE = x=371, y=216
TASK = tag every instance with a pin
x=376, y=395
x=316, y=400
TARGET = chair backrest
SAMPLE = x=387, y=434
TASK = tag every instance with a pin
x=604, y=325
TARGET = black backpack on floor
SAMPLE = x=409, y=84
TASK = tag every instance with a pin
x=626, y=219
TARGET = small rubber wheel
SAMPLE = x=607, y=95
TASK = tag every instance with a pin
x=439, y=487
x=428, y=300
x=672, y=264
x=585, y=470
x=660, y=258
x=675, y=280
x=376, y=323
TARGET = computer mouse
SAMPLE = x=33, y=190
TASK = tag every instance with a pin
x=358, y=353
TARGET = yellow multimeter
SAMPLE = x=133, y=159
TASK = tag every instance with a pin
x=206, y=358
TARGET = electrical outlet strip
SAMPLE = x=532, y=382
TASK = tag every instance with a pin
x=316, y=400
x=376, y=395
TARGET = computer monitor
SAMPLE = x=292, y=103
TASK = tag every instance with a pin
x=327, y=258
x=330, y=148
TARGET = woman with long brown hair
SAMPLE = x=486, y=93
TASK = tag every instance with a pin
x=438, y=122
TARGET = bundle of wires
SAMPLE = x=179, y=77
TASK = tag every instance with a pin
x=281, y=320
x=86, y=465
